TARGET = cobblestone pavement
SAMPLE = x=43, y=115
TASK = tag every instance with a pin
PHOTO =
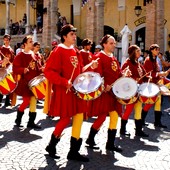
x=23, y=148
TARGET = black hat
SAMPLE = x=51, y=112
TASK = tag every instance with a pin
x=86, y=42
x=67, y=28
x=7, y=36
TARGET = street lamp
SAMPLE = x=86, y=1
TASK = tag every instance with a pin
x=138, y=9
x=33, y=3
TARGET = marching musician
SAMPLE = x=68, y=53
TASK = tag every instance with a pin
x=6, y=58
x=151, y=64
x=87, y=56
x=38, y=56
x=62, y=67
x=107, y=103
x=137, y=71
x=25, y=64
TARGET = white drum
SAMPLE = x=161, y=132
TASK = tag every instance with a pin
x=164, y=90
x=148, y=93
x=125, y=89
x=88, y=85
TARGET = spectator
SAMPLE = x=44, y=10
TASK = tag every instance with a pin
x=39, y=23
x=98, y=48
x=24, y=19
x=20, y=31
x=10, y=26
x=64, y=21
x=20, y=48
x=59, y=25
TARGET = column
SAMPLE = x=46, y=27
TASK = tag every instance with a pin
x=90, y=21
x=28, y=17
x=155, y=23
x=99, y=4
x=150, y=24
x=46, y=38
x=54, y=19
x=160, y=24
x=7, y=31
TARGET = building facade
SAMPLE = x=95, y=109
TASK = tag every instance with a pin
x=94, y=18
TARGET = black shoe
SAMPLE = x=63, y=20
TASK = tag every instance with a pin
x=33, y=126
x=18, y=124
x=51, y=154
x=77, y=157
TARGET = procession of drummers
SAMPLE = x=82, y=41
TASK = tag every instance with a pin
x=71, y=76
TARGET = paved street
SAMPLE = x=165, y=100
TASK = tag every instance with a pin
x=24, y=149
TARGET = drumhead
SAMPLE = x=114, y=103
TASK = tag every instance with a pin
x=36, y=80
x=164, y=90
x=125, y=88
x=87, y=82
x=3, y=73
x=148, y=89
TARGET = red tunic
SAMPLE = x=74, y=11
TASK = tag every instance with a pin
x=86, y=56
x=154, y=67
x=7, y=52
x=58, y=71
x=25, y=60
x=108, y=68
x=137, y=71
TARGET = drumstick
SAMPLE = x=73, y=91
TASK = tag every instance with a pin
x=5, y=57
x=144, y=75
x=88, y=65
x=71, y=77
x=149, y=80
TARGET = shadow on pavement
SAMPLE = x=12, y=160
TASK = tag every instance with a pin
x=19, y=135
x=130, y=146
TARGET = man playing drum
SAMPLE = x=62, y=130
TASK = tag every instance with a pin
x=85, y=52
x=6, y=59
x=25, y=64
x=138, y=73
x=151, y=65
x=63, y=66
x=107, y=103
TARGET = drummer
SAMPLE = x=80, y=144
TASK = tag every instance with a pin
x=137, y=71
x=85, y=52
x=63, y=66
x=38, y=56
x=6, y=58
x=25, y=65
x=107, y=103
x=151, y=64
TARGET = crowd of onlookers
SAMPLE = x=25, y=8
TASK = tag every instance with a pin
x=19, y=27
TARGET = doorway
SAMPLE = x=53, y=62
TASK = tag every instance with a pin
x=140, y=38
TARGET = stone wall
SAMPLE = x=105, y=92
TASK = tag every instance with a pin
x=155, y=23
